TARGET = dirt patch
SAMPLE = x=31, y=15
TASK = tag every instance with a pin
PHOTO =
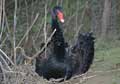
x=26, y=75
x=22, y=75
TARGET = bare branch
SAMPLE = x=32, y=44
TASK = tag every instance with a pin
x=6, y=57
x=28, y=29
x=1, y=11
x=39, y=52
x=45, y=32
x=49, y=39
x=4, y=76
x=14, y=31
x=2, y=18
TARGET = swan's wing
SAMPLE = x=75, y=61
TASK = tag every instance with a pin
x=82, y=53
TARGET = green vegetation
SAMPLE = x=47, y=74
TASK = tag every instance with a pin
x=87, y=13
x=106, y=63
x=107, y=55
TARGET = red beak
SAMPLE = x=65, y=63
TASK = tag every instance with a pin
x=60, y=16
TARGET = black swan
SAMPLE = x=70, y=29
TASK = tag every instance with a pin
x=62, y=63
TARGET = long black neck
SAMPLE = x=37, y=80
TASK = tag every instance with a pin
x=58, y=40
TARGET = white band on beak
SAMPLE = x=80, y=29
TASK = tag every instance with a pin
x=62, y=20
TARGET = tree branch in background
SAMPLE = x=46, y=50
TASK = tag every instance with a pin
x=27, y=23
x=2, y=19
x=4, y=54
x=14, y=31
x=45, y=32
x=1, y=5
x=28, y=30
x=106, y=18
x=78, y=28
x=48, y=40
x=39, y=52
x=3, y=72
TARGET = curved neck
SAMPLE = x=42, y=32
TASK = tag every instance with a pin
x=58, y=40
x=55, y=24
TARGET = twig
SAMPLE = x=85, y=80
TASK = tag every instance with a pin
x=39, y=52
x=14, y=31
x=34, y=45
x=77, y=8
x=57, y=2
x=1, y=12
x=3, y=41
x=7, y=24
x=86, y=78
x=106, y=71
x=78, y=30
x=69, y=19
x=81, y=80
x=74, y=77
x=3, y=18
x=28, y=29
x=33, y=10
x=45, y=33
x=5, y=63
x=6, y=57
x=81, y=24
x=6, y=71
x=78, y=76
x=4, y=76
x=49, y=39
x=27, y=23
x=61, y=2
x=23, y=52
x=37, y=35
x=83, y=13
x=75, y=14
x=26, y=4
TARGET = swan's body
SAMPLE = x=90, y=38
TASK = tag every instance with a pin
x=61, y=63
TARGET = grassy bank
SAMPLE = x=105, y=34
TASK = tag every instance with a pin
x=106, y=63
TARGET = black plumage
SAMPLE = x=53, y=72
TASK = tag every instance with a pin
x=62, y=63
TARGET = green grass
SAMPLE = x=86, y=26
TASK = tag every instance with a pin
x=107, y=55
x=107, y=59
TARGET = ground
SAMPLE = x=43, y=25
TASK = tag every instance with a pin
x=104, y=70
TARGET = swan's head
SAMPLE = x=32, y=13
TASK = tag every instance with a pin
x=57, y=13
